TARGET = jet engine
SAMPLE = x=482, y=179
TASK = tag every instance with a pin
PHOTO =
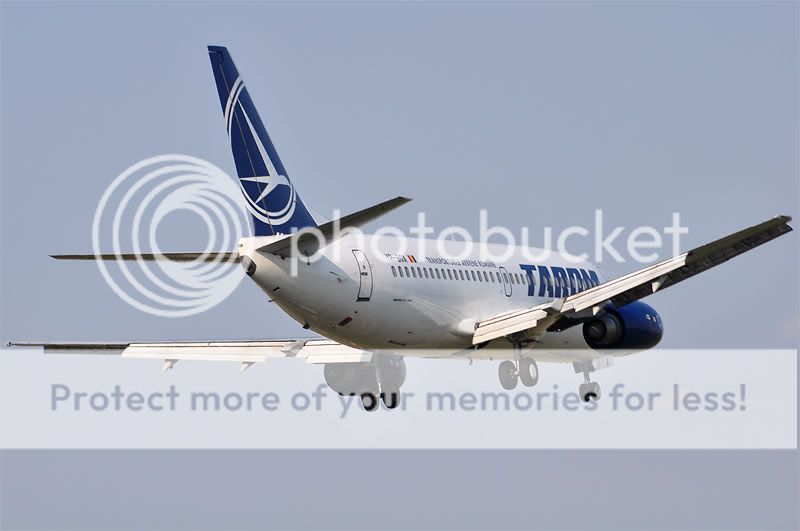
x=635, y=326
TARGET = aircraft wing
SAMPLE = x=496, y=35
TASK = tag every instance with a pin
x=309, y=243
x=633, y=286
x=312, y=350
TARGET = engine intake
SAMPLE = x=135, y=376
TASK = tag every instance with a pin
x=633, y=326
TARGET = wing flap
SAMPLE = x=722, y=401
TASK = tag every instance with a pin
x=535, y=320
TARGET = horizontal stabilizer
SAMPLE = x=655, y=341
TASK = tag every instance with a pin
x=309, y=243
x=150, y=257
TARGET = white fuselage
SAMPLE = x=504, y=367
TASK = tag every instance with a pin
x=359, y=292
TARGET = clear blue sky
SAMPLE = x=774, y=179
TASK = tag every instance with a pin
x=539, y=112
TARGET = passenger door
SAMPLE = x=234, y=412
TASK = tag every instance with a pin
x=364, y=275
x=506, y=281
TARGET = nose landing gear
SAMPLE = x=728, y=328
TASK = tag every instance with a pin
x=588, y=390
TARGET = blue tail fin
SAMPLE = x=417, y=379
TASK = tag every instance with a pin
x=271, y=198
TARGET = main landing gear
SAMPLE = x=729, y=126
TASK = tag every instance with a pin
x=521, y=369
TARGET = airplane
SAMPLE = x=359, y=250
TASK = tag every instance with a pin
x=373, y=307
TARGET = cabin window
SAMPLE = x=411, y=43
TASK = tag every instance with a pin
x=426, y=272
x=461, y=274
x=491, y=275
x=407, y=272
x=394, y=271
x=505, y=278
x=438, y=274
x=449, y=274
x=401, y=271
x=414, y=271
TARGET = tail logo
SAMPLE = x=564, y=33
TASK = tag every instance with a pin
x=271, y=181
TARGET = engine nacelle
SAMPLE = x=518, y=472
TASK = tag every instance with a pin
x=351, y=378
x=385, y=370
x=633, y=326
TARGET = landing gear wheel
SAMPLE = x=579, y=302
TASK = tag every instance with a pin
x=391, y=398
x=528, y=372
x=369, y=401
x=595, y=389
x=589, y=391
x=508, y=375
